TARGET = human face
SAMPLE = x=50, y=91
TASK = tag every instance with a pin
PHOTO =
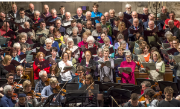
x=151, y=25
x=22, y=13
x=46, y=9
x=145, y=11
x=145, y=50
x=65, y=58
x=6, y=27
x=36, y=16
x=53, y=85
x=73, y=24
x=128, y=58
x=128, y=9
x=141, y=38
x=100, y=54
x=68, y=16
x=22, y=100
x=80, y=73
x=168, y=96
x=178, y=48
x=171, y=16
x=90, y=43
x=121, y=18
x=123, y=46
x=31, y=7
x=10, y=79
x=70, y=44
x=106, y=43
x=151, y=17
x=79, y=11
x=24, y=50
x=144, y=87
x=43, y=25
x=14, y=8
x=14, y=53
x=44, y=77
x=171, y=43
x=88, y=56
x=85, y=38
x=95, y=8
x=103, y=20
x=53, y=13
x=99, y=29
x=88, y=82
x=62, y=10
x=48, y=45
x=103, y=36
x=10, y=93
x=58, y=24
x=175, y=44
x=74, y=33
x=79, y=28
x=26, y=25
x=23, y=40
x=134, y=103
x=2, y=16
x=41, y=57
x=106, y=54
x=112, y=14
x=134, y=15
x=89, y=24
x=163, y=10
x=107, y=16
x=54, y=53
x=19, y=72
x=120, y=51
x=9, y=62
x=28, y=88
x=136, y=23
x=155, y=58
x=171, y=25
x=119, y=40
x=69, y=53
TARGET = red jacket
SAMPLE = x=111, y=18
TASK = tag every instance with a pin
x=176, y=23
x=37, y=70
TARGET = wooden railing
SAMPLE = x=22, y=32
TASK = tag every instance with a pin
x=30, y=73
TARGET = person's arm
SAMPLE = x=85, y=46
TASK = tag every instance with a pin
x=43, y=93
x=162, y=71
x=37, y=88
x=4, y=103
x=112, y=64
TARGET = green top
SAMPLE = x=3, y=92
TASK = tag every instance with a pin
x=109, y=28
x=162, y=71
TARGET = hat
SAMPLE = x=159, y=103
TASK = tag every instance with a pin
x=158, y=15
x=21, y=95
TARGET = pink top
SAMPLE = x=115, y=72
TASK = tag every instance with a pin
x=128, y=78
x=79, y=45
x=101, y=41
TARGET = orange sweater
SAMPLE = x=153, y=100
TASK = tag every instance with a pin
x=146, y=59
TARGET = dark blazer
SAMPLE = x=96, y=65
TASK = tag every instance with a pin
x=145, y=25
x=74, y=80
x=175, y=31
x=131, y=36
x=61, y=16
x=140, y=21
x=29, y=12
x=3, y=72
x=11, y=13
x=82, y=17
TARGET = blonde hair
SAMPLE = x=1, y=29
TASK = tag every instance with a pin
x=26, y=83
x=158, y=56
x=53, y=80
x=19, y=67
x=106, y=39
x=6, y=59
x=120, y=26
x=106, y=49
x=89, y=77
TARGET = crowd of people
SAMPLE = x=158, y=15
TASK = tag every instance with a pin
x=85, y=48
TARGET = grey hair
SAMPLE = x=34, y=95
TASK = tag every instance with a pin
x=65, y=36
x=88, y=12
x=23, y=34
x=36, y=12
x=68, y=13
x=111, y=10
x=7, y=88
x=99, y=50
x=123, y=42
x=120, y=36
x=104, y=29
x=98, y=24
x=168, y=33
x=51, y=27
x=41, y=73
x=48, y=40
x=29, y=34
x=70, y=40
x=54, y=9
x=75, y=28
x=120, y=14
x=128, y=53
x=16, y=45
x=90, y=38
x=127, y=6
x=107, y=13
x=171, y=21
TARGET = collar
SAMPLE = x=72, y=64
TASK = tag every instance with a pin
x=54, y=17
x=80, y=16
x=37, y=19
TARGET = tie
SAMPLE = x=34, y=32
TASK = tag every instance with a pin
x=136, y=28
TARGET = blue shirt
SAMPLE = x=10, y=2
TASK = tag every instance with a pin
x=97, y=14
x=80, y=84
x=7, y=102
x=110, y=38
x=39, y=86
x=62, y=30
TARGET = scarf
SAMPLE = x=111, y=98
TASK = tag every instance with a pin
x=37, y=20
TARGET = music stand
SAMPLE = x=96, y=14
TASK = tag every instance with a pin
x=107, y=86
x=178, y=83
x=2, y=82
x=163, y=84
x=70, y=86
x=132, y=88
x=21, y=82
x=100, y=85
x=48, y=101
x=140, y=80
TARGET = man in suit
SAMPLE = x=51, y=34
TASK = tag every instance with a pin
x=173, y=29
x=46, y=12
x=128, y=9
x=135, y=15
x=79, y=14
x=54, y=16
x=14, y=13
x=164, y=14
x=58, y=25
x=67, y=20
x=31, y=9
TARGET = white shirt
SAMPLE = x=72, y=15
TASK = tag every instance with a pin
x=67, y=75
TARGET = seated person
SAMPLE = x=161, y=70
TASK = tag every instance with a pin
x=106, y=72
x=169, y=101
x=128, y=77
x=106, y=44
x=145, y=85
x=37, y=18
x=6, y=61
x=134, y=101
x=69, y=29
x=79, y=14
x=19, y=72
x=54, y=16
x=6, y=100
x=75, y=35
x=22, y=101
x=47, y=91
x=157, y=75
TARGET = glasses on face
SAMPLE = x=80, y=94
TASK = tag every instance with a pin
x=20, y=70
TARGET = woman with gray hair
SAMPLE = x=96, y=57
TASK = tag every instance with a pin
x=48, y=43
x=107, y=44
x=120, y=38
x=75, y=36
x=17, y=46
x=73, y=48
x=128, y=77
x=31, y=36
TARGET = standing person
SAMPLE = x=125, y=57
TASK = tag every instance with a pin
x=96, y=13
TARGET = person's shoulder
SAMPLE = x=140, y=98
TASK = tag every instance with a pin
x=126, y=104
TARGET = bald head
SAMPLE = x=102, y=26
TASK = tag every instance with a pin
x=79, y=12
x=106, y=14
x=53, y=12
x=151, y=25
x=134, y=14
x=31, y=7
x=68, y=16
x=2, y=16
x=88, y=15
x=26, y=25
x=136, y=22
x=151, y=17
x=46, y=8
x=14, y=8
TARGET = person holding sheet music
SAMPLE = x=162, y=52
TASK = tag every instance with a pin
x=123, y=19
x=96, y=13
x=31, y=9
x=73, y=48
x=75, y=35
x=72, y=25
x=105, y=30
x=72, y=59
x=53, y=44
x=79, y=14
x=107, y=44
x=54, y=16
x=89, y=26
x=46, y=12
x=128, y=77
x=65, y=74
x=89, y=64
x=5, y=62
x=103, y=35
x=59, y=27
x=36, y=66
x=42, y=30
x=62, y=12
x=135, y=15
x=120, y=38
x=128, y=9
x=13, y=53
x=156, y=75
x=135, y=26
x=54, y=52
x=106, y=72
x=81, y=30
x=97, y=31
x=67, y=20
x=19, y=72
x=164, y=14
x=104, y=24
x=115, y=27
x=58, y=36
x=37, y=18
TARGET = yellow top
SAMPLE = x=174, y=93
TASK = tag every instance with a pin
x=61, y=38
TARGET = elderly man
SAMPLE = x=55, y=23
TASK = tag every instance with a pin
x=73, y=24
x=145, y=11
x=152, y=18
x=6, y=100
x=3, y=30
x=135, y=15
x=31, y=9
x=75, y=35
x=89, y=25
x=164, y=14
x=37, y=18
x=67, y=21
x=79, y=14
x=97, y=31
x=22, y=18
x=2, y=18
x=107, y=16
x=173, y=29
x=42, y=30
x=135, y=26
x=122, y=19
x=54, y=16
x=46, y=12
x=128, y=9
x=88, y=17
x=51, y=28
x=172, y=17
x=80, y=29
x=104, y=24
x=14, y=13
x=58, y=25
x=112, y=13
